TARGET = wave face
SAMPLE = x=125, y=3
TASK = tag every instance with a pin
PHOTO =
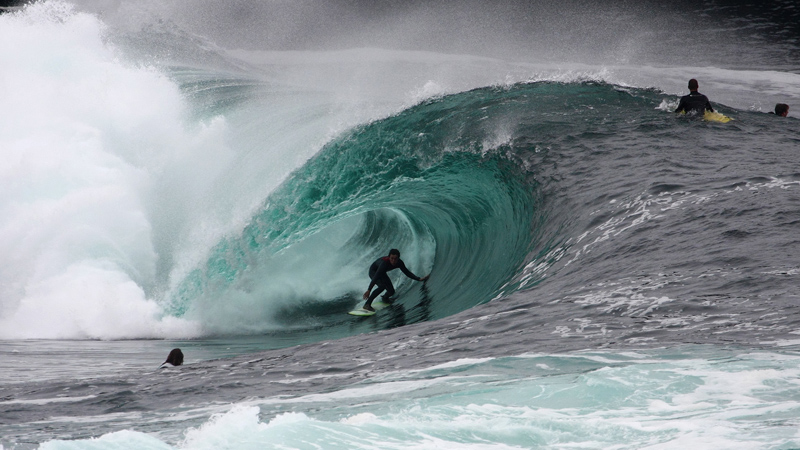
x=554, y=192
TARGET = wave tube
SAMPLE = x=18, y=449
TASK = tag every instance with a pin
x=436, y=181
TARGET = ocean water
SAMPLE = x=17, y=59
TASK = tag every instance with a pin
x=218, y=177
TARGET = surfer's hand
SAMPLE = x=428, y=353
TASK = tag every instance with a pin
x=425, y=278
x=366, y=295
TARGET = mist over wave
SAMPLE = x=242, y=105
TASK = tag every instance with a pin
x=81, y=149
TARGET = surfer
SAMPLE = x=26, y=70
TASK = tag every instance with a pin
x=695, y=102
x=379, y=277
x=174, y=359
x=781, y=109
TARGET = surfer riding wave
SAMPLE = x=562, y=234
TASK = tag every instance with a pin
x=379, y=277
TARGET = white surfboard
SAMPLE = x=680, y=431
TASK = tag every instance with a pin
x=378, y=305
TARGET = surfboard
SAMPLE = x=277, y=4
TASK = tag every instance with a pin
x=716, y=117
x=378, y=305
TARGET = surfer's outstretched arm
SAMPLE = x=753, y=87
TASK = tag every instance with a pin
x=410, y=274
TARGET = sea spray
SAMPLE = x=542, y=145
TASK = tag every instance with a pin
x=82, y=153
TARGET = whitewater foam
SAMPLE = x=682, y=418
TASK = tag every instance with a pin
x=83, y=151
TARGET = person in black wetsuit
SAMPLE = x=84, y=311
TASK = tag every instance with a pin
x=695, y=102
x=379, y=277
x=174, y=359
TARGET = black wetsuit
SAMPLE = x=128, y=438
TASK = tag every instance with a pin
x=379, y=277
x=694, y=102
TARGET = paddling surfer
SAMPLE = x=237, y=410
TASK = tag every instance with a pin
x=378, y=277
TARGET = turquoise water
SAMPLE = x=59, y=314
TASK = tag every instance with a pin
x=422, y=181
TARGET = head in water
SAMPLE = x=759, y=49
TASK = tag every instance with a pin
x=175, y=357
x=693, y=86
x=394, y=255
x=782, y=109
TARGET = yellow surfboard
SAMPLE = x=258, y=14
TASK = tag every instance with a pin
x=716, y=117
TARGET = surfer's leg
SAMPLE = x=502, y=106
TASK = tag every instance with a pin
x=381, y=284
x=389, y=290
x=378, y=289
